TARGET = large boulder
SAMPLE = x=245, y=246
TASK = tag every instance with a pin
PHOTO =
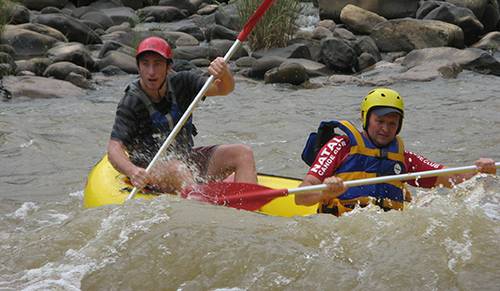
x=73, y=52
x=195, y=52
x=5, y=48
x=134, y=4
x=39, y=87
x=161, y=13
x=292, y=73
x=40, y=4
x=45, y=30
x=490, y=42
x=223, y=45
x=429, y=59
x=264, y=64
x=292, y=51
x=17, y=14
x=460, y=16
x=74, y=29
x=220, y=32
x=98, y=17
x=186, y=5
x=121, y=60
x=62, y=69
x=7, y=59
x=106, y=4
x=27, y=43
x=35, y=65
x=120, y=15
x=313, y=69
x=409, y=34
x=487, y=11
x=228, y=16
x=366, y=44
x=192, y=30
x=338, y=55
x=360, y=20
x=115, y=46
x=331, y=9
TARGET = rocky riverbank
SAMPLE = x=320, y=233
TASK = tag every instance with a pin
x=54, y=48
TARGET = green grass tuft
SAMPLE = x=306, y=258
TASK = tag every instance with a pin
x=277, y=26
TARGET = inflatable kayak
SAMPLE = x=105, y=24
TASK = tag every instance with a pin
x=107, y=186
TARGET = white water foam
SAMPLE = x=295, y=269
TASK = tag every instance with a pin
x=458, y=252
x=23, y=211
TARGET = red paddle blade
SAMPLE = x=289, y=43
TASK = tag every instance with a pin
x=237, y=195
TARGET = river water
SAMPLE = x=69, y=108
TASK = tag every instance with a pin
x=446, y=239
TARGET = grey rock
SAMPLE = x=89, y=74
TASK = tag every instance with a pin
x=207, y=9
x=246, y=62
x=331, y=9
x=17, y=14
x=223, y=45
x=112, y=71
x=228, y=17
x=292, y=73
x=194, y=31
x=27, y=43
x=71, y=27
x=180, y=4
x=40, y=4
x=39, y=87
x=360, y=20
x=460, y=16
x=263, y=65
x=338, y=55
x=35, y=65
x=5, y=48
x=45, y=30
x=62, y=69
x=75, y=53
x=121, y=60
x=409, y=34
x=490, y=42
x=79, y=80
x=220, y=32
x=50, y=9
x=98, y=17
x=161, y=13
x=296, y=50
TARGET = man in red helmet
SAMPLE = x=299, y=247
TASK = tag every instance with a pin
x=375, y=151
x=148, y=112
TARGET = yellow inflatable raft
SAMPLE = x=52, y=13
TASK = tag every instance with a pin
x=106, y=186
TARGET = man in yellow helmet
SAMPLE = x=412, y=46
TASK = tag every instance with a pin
x=375, y=151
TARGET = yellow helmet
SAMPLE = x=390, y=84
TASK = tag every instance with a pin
x=382, y=97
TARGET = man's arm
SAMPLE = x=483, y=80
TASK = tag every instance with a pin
x=323, y=169
x=486, y=166
x=312, y=198
x=118, y=157
x=224, y=81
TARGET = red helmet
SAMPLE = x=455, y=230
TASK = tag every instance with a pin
x=155, y=44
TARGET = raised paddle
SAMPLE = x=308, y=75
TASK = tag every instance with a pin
x=252, y=197
x=247, y=28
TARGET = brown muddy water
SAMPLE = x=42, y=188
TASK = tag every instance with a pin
x=445, y=240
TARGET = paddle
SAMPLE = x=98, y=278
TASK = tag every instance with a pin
x=252, y=197
x=247, y=28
